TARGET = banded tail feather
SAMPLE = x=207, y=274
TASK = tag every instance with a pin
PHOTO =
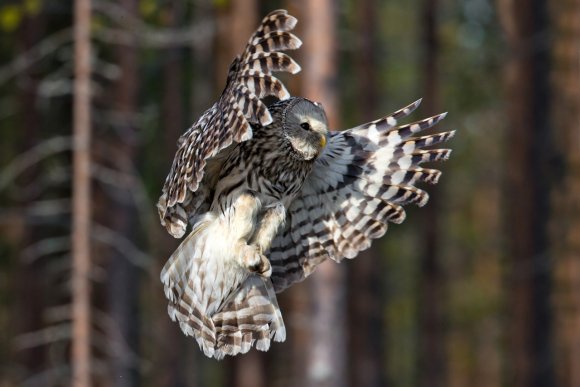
x=224, y=307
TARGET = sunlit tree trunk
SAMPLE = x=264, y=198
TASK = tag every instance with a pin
x=326, y=353
x=81, y=222
x=431, y=294
x=528, y=285
x=565, y=225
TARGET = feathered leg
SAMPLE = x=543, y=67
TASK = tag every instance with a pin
x=272, y=219
x=242, y=218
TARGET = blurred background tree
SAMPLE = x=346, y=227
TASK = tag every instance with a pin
x=479, y=288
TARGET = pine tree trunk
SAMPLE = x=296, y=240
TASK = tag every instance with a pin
x=366, y=325
x=170, y=355
x=527, y=187
x=123, y=275
x=432, y=342
x=565, y=224
x=26, y=279
x=81, y=241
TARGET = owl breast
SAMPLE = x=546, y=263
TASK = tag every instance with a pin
x=264, y=165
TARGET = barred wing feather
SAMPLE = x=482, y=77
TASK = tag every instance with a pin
x=229, y=120
x=357, y=186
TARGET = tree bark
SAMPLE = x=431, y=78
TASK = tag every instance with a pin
x=123, y=276
x=172, y=108
x=81, y=243
x=527, y=187
x=173, y=346
x=431, y=355
x=26, y=280
x=366, y=325
x=565, y=223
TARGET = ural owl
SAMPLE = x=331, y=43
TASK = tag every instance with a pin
x=271, y=192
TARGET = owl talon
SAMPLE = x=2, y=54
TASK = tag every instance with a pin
x=255, y=261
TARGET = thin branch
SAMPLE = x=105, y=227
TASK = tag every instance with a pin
x=43, y=336
x=31, y=157
x=117, y=345
x=45, y=247
x=160, y=39
x=131, y=182
x=46, y=47
x=123, y=245
x=134, y=31
x=40, y=208
x=56, y=314
x=55, y=176
x=53, y=376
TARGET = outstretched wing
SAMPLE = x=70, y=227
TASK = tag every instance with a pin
x=229, y=120
x=357, y=186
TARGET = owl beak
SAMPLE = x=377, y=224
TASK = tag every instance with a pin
x=322, y=141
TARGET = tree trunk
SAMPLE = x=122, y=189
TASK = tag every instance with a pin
x=123, y=276
x=204, y=90
x=366, y=325
x=172, y=344
x=172, y=105
x=431, y=294
x=26, y=280
x=81, y=222
x=326, y=354
x=565, y=224
x=527, y=188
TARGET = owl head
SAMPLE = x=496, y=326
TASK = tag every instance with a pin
x=305, y=127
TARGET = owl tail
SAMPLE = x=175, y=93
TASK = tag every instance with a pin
x=222, y=305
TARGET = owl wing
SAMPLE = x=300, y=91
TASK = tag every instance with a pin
x=229, y=120
x=357, y=186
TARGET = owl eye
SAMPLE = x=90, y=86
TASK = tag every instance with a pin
x=305, y=126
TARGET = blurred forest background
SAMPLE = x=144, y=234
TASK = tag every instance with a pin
x=480, y=288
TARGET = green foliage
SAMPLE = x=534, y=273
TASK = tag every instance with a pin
x=12, y=15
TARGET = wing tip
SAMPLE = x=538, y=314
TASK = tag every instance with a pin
x=295, y=68
x=297, y=43
x=291, y=22
x=423, y=200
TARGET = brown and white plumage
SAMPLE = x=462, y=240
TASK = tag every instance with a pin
x=271, y=193
x=229, y=119
x=356, y=187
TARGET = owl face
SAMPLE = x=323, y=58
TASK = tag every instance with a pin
x=306, y=128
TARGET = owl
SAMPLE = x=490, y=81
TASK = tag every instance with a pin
x=270, y=192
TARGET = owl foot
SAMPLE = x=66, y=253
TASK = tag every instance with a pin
x=253, y=260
